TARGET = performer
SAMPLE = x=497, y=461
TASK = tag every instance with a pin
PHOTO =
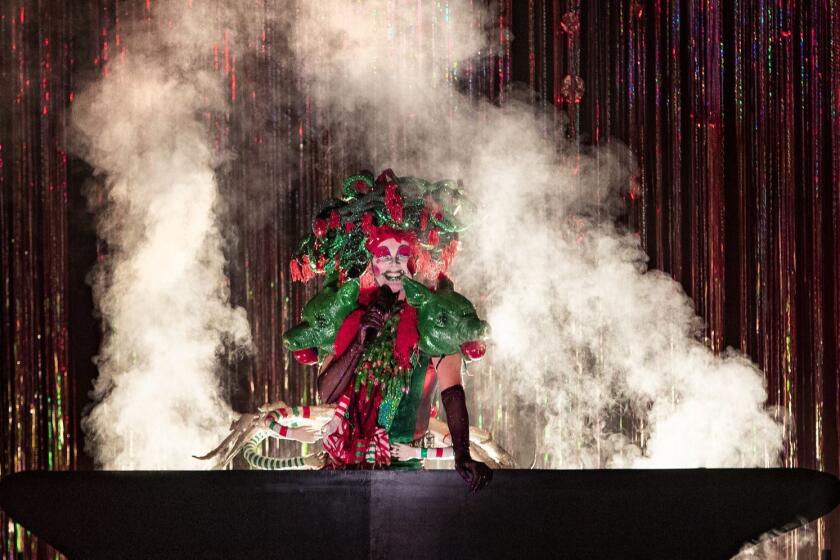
x=382, y=355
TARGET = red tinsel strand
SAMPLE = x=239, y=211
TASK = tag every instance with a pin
x=448, y=255
x=294, y=270
x=306, y=273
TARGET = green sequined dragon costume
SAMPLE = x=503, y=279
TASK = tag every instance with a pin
x=389, y=396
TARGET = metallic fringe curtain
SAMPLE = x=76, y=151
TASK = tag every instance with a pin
x=732, y=109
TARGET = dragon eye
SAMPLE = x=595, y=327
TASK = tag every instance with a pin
x=320, y=320
x=442, y=320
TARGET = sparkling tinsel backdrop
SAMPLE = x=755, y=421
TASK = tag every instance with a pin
x=731, y=109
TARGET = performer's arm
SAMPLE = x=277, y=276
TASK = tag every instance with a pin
x=405, y=452
x=454, y=401
x=306, y=434
x=337, y=372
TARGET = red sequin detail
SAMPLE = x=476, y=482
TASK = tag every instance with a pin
x=407, y=336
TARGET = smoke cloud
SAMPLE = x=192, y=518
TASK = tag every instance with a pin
x=585, y=336
x=161, y=289
x=780, y=546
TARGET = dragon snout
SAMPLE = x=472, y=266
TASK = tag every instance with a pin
x=298, y=338
x=475, y=347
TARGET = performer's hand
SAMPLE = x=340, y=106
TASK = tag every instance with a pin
x=403, y=452
x=374, y=319
x=377, y=312
x=316, y=460
x=330, y=426
x=475, y=473
x=304, y=434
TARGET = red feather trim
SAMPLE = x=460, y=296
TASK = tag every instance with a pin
x=366, y=295
x=348, y=331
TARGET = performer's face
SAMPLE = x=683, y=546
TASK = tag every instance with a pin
x=390, y=263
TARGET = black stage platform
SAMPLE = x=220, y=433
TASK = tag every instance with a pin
x=615, y=514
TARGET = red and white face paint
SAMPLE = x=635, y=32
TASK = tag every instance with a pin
x=390, y=263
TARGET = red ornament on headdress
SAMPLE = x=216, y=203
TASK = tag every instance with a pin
x=335, y=220
x=367, y=224
x=394, y=203
x=319, y=227
x=387, y=176
x=434, y=237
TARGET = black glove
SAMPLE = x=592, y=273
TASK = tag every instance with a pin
x=336, y=377
x=475, y=473
x=377, y=312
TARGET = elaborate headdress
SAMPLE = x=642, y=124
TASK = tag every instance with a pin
x=428, y=215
